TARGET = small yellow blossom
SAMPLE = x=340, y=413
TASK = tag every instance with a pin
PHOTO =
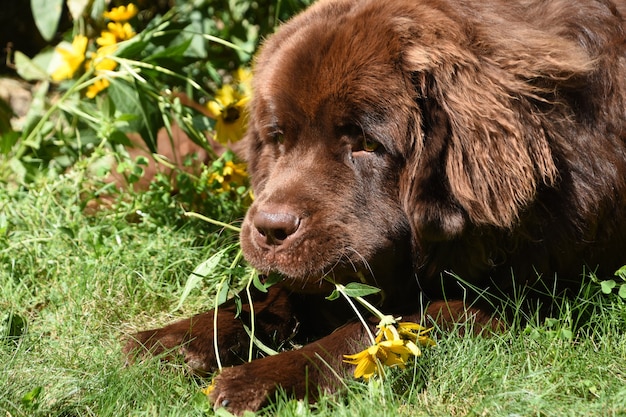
x=231, y=175
x=71, y=58
x=122, y=13
x=106, y=39
x=101, y=63
x=101, y=60
x=96, y=87
x=229, y=109
x=209, y=388
x=117, y=32
x=387, y=353
x=394, y=345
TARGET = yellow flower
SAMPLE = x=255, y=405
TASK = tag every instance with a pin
x=71, y=58
x=229, y=111
x=96, y=87
x=122, y=13
x=209, y=388
x=415, y=333
x=243, y=77
x=116, y=32
x=387, y=353
x=366, y=361
x=393, y=346
x=106, y=38
x=231, y=175
x=101, y=63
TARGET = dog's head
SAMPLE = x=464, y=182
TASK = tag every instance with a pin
x=376, y=127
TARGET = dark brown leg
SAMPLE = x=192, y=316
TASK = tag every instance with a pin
x=193, y=338
x=318, y=366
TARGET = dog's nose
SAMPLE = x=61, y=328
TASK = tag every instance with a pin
x=274, y=228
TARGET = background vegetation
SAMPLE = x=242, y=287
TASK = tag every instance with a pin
x=79, y=272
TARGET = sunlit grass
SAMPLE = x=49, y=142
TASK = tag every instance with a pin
x=82, y=283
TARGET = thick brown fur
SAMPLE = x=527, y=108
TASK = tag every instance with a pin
x=408, y=142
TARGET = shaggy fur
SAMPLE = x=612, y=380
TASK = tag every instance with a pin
x=406, y=143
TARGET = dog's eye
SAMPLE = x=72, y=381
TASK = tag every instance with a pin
x=362, y=143
x=370, y=145
x=278, y=138
x=366, y=145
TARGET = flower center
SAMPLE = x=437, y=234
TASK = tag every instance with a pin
x=231, y=114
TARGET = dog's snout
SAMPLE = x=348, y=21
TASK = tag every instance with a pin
x=274, y=227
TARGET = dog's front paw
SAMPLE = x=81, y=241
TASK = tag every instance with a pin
x=250, y=386
x=239, y=389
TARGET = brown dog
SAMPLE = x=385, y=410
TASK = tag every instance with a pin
x=407, y=142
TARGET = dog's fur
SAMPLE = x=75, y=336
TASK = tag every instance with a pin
x=407, y=142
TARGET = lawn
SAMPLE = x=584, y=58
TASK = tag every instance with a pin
x=74, y=284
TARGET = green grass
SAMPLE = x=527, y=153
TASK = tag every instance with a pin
x=82, y=282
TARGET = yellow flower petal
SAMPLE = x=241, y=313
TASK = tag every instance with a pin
x=208, y=389
x=121, y=31
x=122, y=13
x=106, y=38
x=243, y=77
x=97, y=87
x=71, y=58
x=366, y=361
x=229, y=109
x=366, y=369
x=232, y=174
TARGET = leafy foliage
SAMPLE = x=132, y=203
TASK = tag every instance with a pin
x=116, y=74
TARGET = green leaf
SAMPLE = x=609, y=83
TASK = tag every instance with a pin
x=621, y=273
x=120, y=137
x=333, y=295
x=622, y=291
x=268, y=281
x=607, y=286
x=551, y=322
x=169, y=52
x=199, y=273
x=18, y=168
x=222, y=292
x=47, y=14
x=356, y=289
x=7, y=141
x=29, y=399
x=566, y=334
x=28, y=69
x=135, y=99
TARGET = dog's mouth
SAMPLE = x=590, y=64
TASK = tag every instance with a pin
x=324, y=282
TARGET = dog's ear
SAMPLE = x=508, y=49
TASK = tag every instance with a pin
x=485, y=124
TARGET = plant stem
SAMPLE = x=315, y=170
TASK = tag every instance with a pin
x=341, y=290
x=213, y=221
